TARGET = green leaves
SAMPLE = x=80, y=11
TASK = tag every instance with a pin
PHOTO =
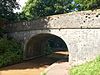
x=40, y=8
x=87, y=4
x=10, y=52
x=6, y=9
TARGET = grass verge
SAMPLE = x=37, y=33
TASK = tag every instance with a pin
x=89, y=68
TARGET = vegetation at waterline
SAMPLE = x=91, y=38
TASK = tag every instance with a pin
x=10, y=52
x=89, y=68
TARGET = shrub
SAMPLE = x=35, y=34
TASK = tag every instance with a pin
x=10, y=52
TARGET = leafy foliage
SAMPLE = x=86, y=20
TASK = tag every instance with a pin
x=10, y=52
x=87, y=4
x=6, y=9
x=40, y=8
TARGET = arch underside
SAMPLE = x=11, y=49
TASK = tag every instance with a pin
x=44, y=44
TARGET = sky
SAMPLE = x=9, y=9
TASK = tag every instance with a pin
x=22, y=3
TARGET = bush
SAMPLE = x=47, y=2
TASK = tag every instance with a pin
x=10, y=52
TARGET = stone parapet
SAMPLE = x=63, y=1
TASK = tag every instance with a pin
x=74, y=20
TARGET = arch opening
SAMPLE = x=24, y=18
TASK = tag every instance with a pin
x=46, y=45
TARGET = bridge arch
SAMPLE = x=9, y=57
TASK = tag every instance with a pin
x=42, y=44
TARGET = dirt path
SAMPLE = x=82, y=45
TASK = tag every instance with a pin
x=59, y=68
x=33, y=67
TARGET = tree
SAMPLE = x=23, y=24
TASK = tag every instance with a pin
x=40, y=8
x=87, y=4
x=6, y=9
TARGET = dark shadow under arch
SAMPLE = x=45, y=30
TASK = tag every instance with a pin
x=40, y=45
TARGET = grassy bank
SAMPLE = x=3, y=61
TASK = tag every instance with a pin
x=89, y=68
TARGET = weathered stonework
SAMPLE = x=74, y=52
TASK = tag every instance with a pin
x=79, y=30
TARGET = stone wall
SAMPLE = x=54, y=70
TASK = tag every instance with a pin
x=83, y=19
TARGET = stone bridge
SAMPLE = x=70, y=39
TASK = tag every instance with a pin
x=80, y=31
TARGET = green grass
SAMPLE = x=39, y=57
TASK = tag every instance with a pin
x=89, y=68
